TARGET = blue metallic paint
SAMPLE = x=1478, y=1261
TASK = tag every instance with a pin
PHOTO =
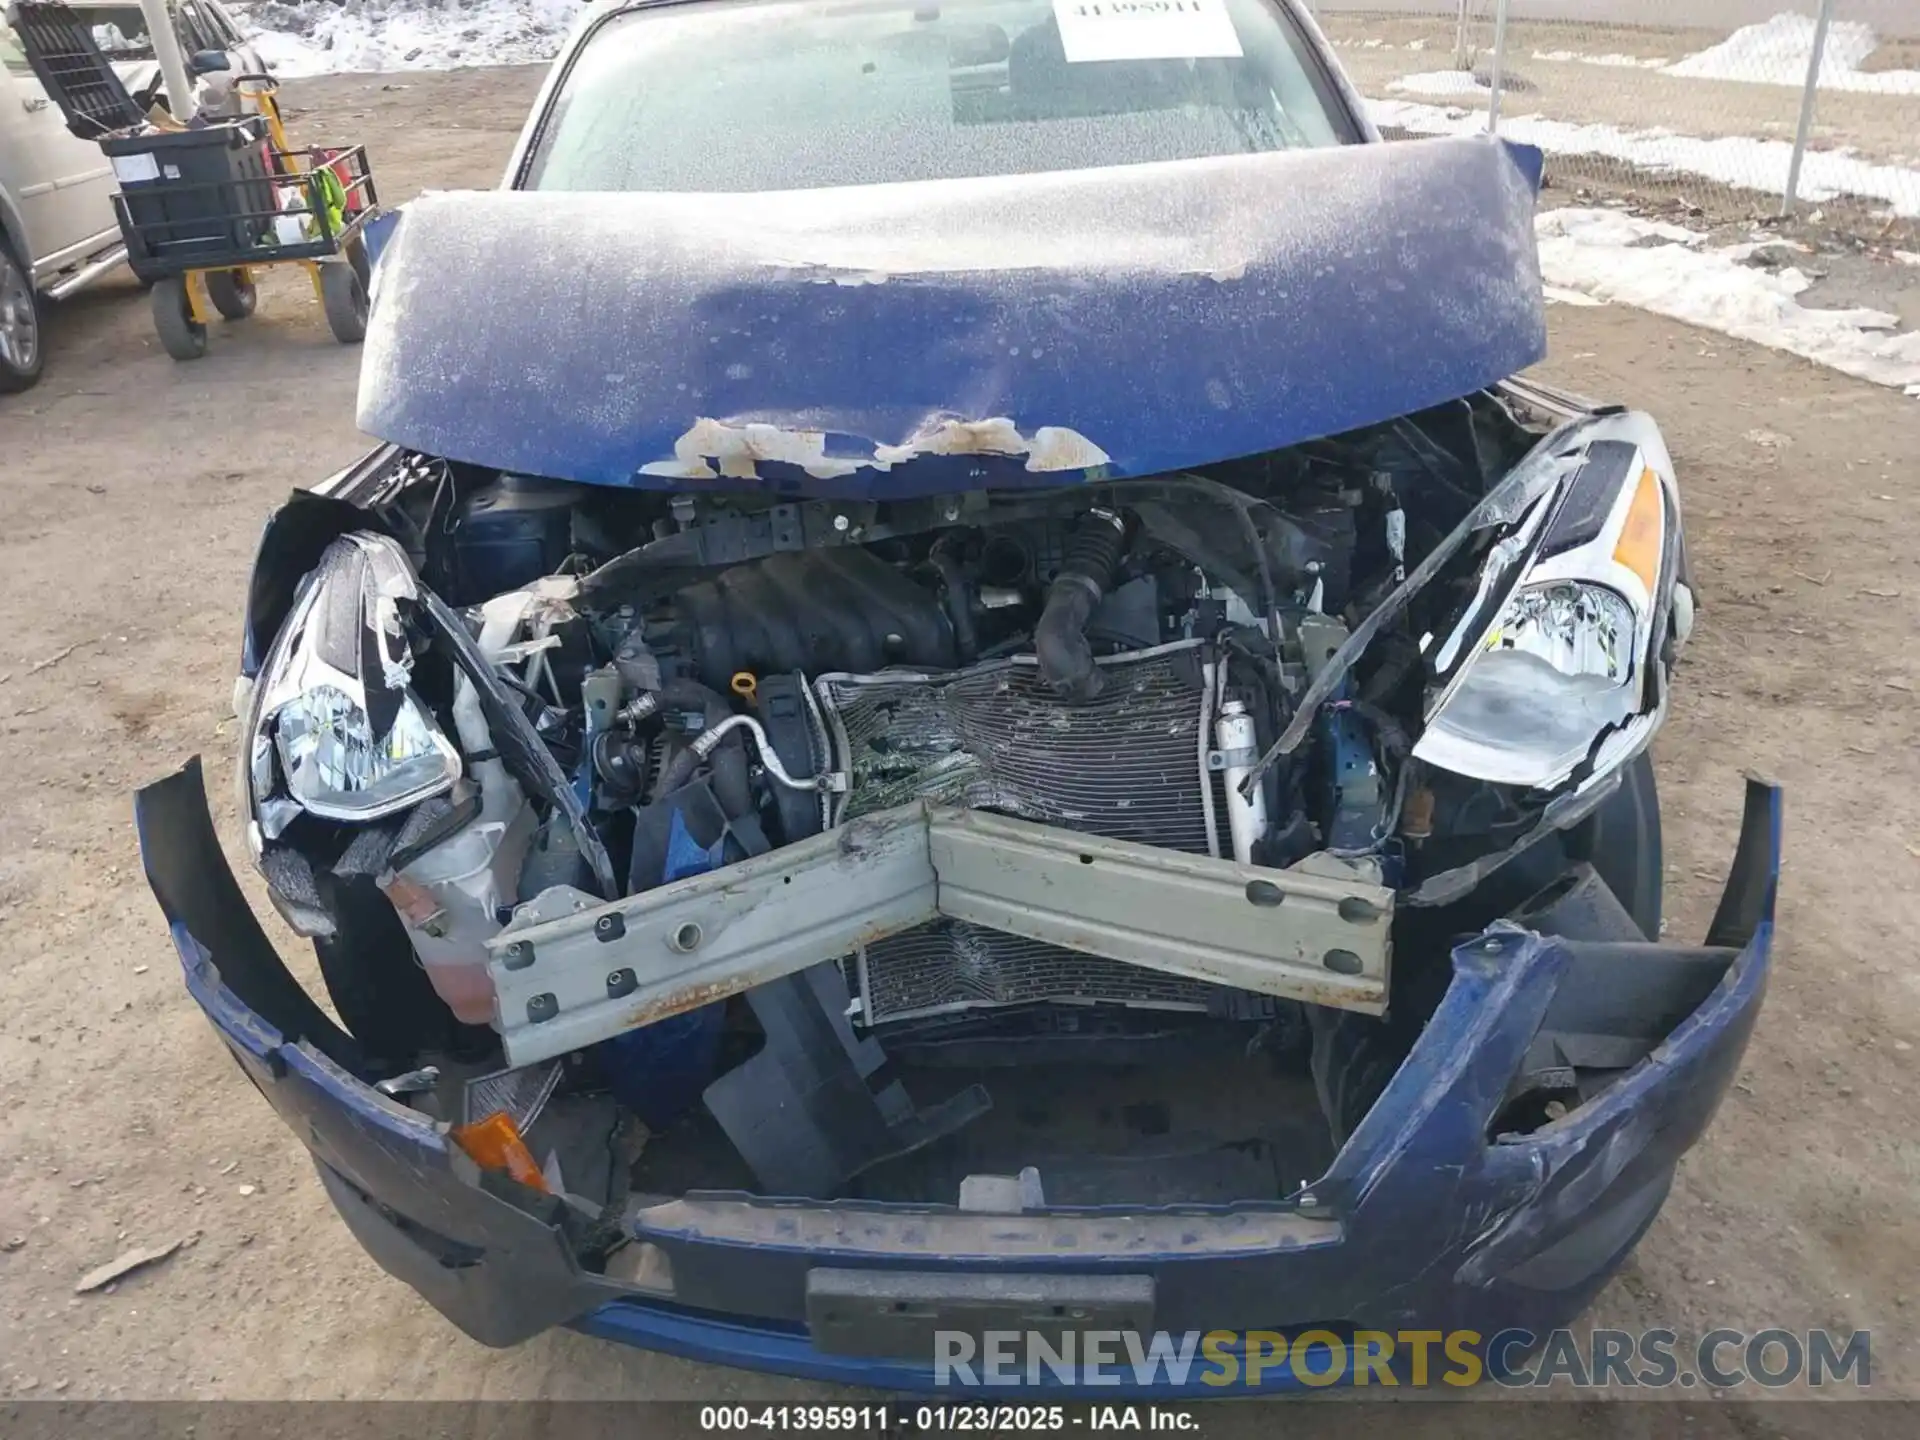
x=1171, y=314
x=1437, y=1227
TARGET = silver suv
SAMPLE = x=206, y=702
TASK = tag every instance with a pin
x=57, y=228
x=120, y=30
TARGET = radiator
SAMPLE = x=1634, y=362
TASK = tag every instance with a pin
x=1130, y=765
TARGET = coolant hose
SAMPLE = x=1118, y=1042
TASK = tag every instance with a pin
x=1060, y=639
x=730, y=785
x=729, y=761
x=959, y=602
x=679, y=770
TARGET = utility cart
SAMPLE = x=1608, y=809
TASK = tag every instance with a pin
x=202, y=210
x=204, y=206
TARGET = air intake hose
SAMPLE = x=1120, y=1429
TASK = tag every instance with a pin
x=1060, y=639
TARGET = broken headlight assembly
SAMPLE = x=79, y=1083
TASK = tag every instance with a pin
x=1553, y=675
x=342, y=765
x=336, y=729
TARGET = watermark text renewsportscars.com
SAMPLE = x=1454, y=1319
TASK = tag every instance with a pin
x=1227, y=1359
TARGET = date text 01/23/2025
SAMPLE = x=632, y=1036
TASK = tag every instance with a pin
x=934, y=1419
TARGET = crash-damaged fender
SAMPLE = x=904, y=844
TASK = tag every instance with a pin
x=893, y=340
x=1427, y=1218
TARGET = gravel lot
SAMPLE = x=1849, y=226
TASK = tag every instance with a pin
x=133, y=490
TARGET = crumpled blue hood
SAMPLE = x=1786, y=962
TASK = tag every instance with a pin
x=897, y=340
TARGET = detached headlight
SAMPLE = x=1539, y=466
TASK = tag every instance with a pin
x=336, y=729
x=1554, y=675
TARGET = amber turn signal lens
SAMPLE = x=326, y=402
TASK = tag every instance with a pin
x=495, y=1144
x=1641, y=538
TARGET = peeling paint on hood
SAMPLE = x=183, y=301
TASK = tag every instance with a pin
x=892, y=340
x=712, y=450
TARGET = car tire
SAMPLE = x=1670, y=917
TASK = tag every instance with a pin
x=22, y=347
x=356, y=252
x=183, y=337
x=1356, y=1056
x=344, y=295
x=381, y=994
x=232, y=292
x=1621, y=840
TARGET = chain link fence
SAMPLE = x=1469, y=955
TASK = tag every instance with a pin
x=1703, y=103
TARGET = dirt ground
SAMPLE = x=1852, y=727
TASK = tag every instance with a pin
x=133, y=489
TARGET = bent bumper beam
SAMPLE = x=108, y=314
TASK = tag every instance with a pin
x=569, y=971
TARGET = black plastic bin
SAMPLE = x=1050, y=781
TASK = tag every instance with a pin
x=193, y=199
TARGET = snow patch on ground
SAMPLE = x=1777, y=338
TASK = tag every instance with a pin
x=1439, y=82
x=1607, y=255
x=320, y=37
x=1777, y=52
x=1615, y=62
x=1737, y=160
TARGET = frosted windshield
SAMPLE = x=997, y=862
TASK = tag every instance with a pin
x=734, y=98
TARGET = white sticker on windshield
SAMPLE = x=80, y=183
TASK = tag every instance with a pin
x=1146, y=30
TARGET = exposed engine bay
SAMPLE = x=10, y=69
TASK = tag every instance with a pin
x=869, y=733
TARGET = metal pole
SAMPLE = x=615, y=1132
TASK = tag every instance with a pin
x=173, y=64
x=1807, y=98
x=1499, y=61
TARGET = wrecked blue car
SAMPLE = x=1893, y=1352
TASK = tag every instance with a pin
x=967, y=696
